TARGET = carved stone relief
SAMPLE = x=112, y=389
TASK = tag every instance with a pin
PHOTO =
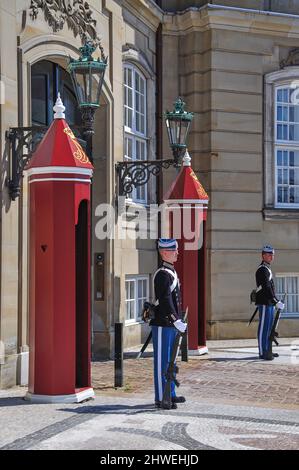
x=77, y=14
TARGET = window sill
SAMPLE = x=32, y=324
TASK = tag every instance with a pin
x=289, y=316
x=281, y=214
x=130, y=204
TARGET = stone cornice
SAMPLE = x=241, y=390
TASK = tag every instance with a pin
x=242, y=20
x=146, y=10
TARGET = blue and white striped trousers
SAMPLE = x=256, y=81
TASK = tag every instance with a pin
x=163, y=340
x=264, y=329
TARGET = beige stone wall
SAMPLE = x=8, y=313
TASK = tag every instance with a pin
x=9, y=211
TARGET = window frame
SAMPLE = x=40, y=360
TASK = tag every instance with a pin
x=132, y=132
x=135, y=278
x=273, y=210
x=283, y=145
x=285, y=314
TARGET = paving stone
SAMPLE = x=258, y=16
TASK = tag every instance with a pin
x=232, y=403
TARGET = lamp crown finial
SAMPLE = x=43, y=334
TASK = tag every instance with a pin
x=187, y=159
x=59, y=108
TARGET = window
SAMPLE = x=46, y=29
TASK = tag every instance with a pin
x=137, y=292
x=287, y=147
x=47, y=79
x=135, y=145
x=288, y=284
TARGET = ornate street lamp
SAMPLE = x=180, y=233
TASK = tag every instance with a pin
x=87, y=76
x=137, y=173
x=178, y=123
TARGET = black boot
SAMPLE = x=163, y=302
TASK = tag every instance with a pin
x=178, y=399
x=268, y=357
x=173, y=406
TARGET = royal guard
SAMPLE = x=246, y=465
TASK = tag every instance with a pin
x=167, y=321
x=59, y=176
x=266, y=302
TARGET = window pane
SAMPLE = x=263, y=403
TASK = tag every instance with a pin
x=140, y=293
x=282, y=113
x=130, y=118
x=294, y=194
x=279, y=157
x=128, y=148
x=285, y=194
x=285, y=95
x=285, y=158
x=129, y=78
x=130, y=98
x=280, y=286
x=294, y=158
x=139, y=308
x=279, y=95
x=288, y=285
x=285, y=176
x=285, y=132
x=132, y=290
x=39, y=99
x=294, y=177
x=136, y=81
x=282, y=194
x=138, y=122
x=294, y=114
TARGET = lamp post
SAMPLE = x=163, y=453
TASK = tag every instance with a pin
x=178, y=123
x=137, y=173
x=87, y=75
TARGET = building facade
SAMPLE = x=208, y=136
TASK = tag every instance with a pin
x=235, y=64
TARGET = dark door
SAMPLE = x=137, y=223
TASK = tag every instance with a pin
x=47, y=79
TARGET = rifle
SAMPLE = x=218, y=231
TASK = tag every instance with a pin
x=172, y=369
x=273, y=333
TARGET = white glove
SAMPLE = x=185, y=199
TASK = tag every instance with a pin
x=279, y=305
x=180, y=325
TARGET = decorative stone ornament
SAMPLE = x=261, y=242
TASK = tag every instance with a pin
x=291, y=60
x=187, y=159
x=77, y=14
x=59, y=108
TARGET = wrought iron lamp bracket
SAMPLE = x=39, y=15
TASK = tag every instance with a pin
x=138, y=172
x=22, y=142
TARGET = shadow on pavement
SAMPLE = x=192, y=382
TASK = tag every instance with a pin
x=13, y=401
x=102, y=409
x=236, y=359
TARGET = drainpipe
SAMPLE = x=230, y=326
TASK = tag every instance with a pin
x=159, y=111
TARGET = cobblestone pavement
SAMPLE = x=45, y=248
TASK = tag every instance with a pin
x=234, y=401
x=229, y=377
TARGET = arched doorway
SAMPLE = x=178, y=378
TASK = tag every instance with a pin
x=47, y=79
